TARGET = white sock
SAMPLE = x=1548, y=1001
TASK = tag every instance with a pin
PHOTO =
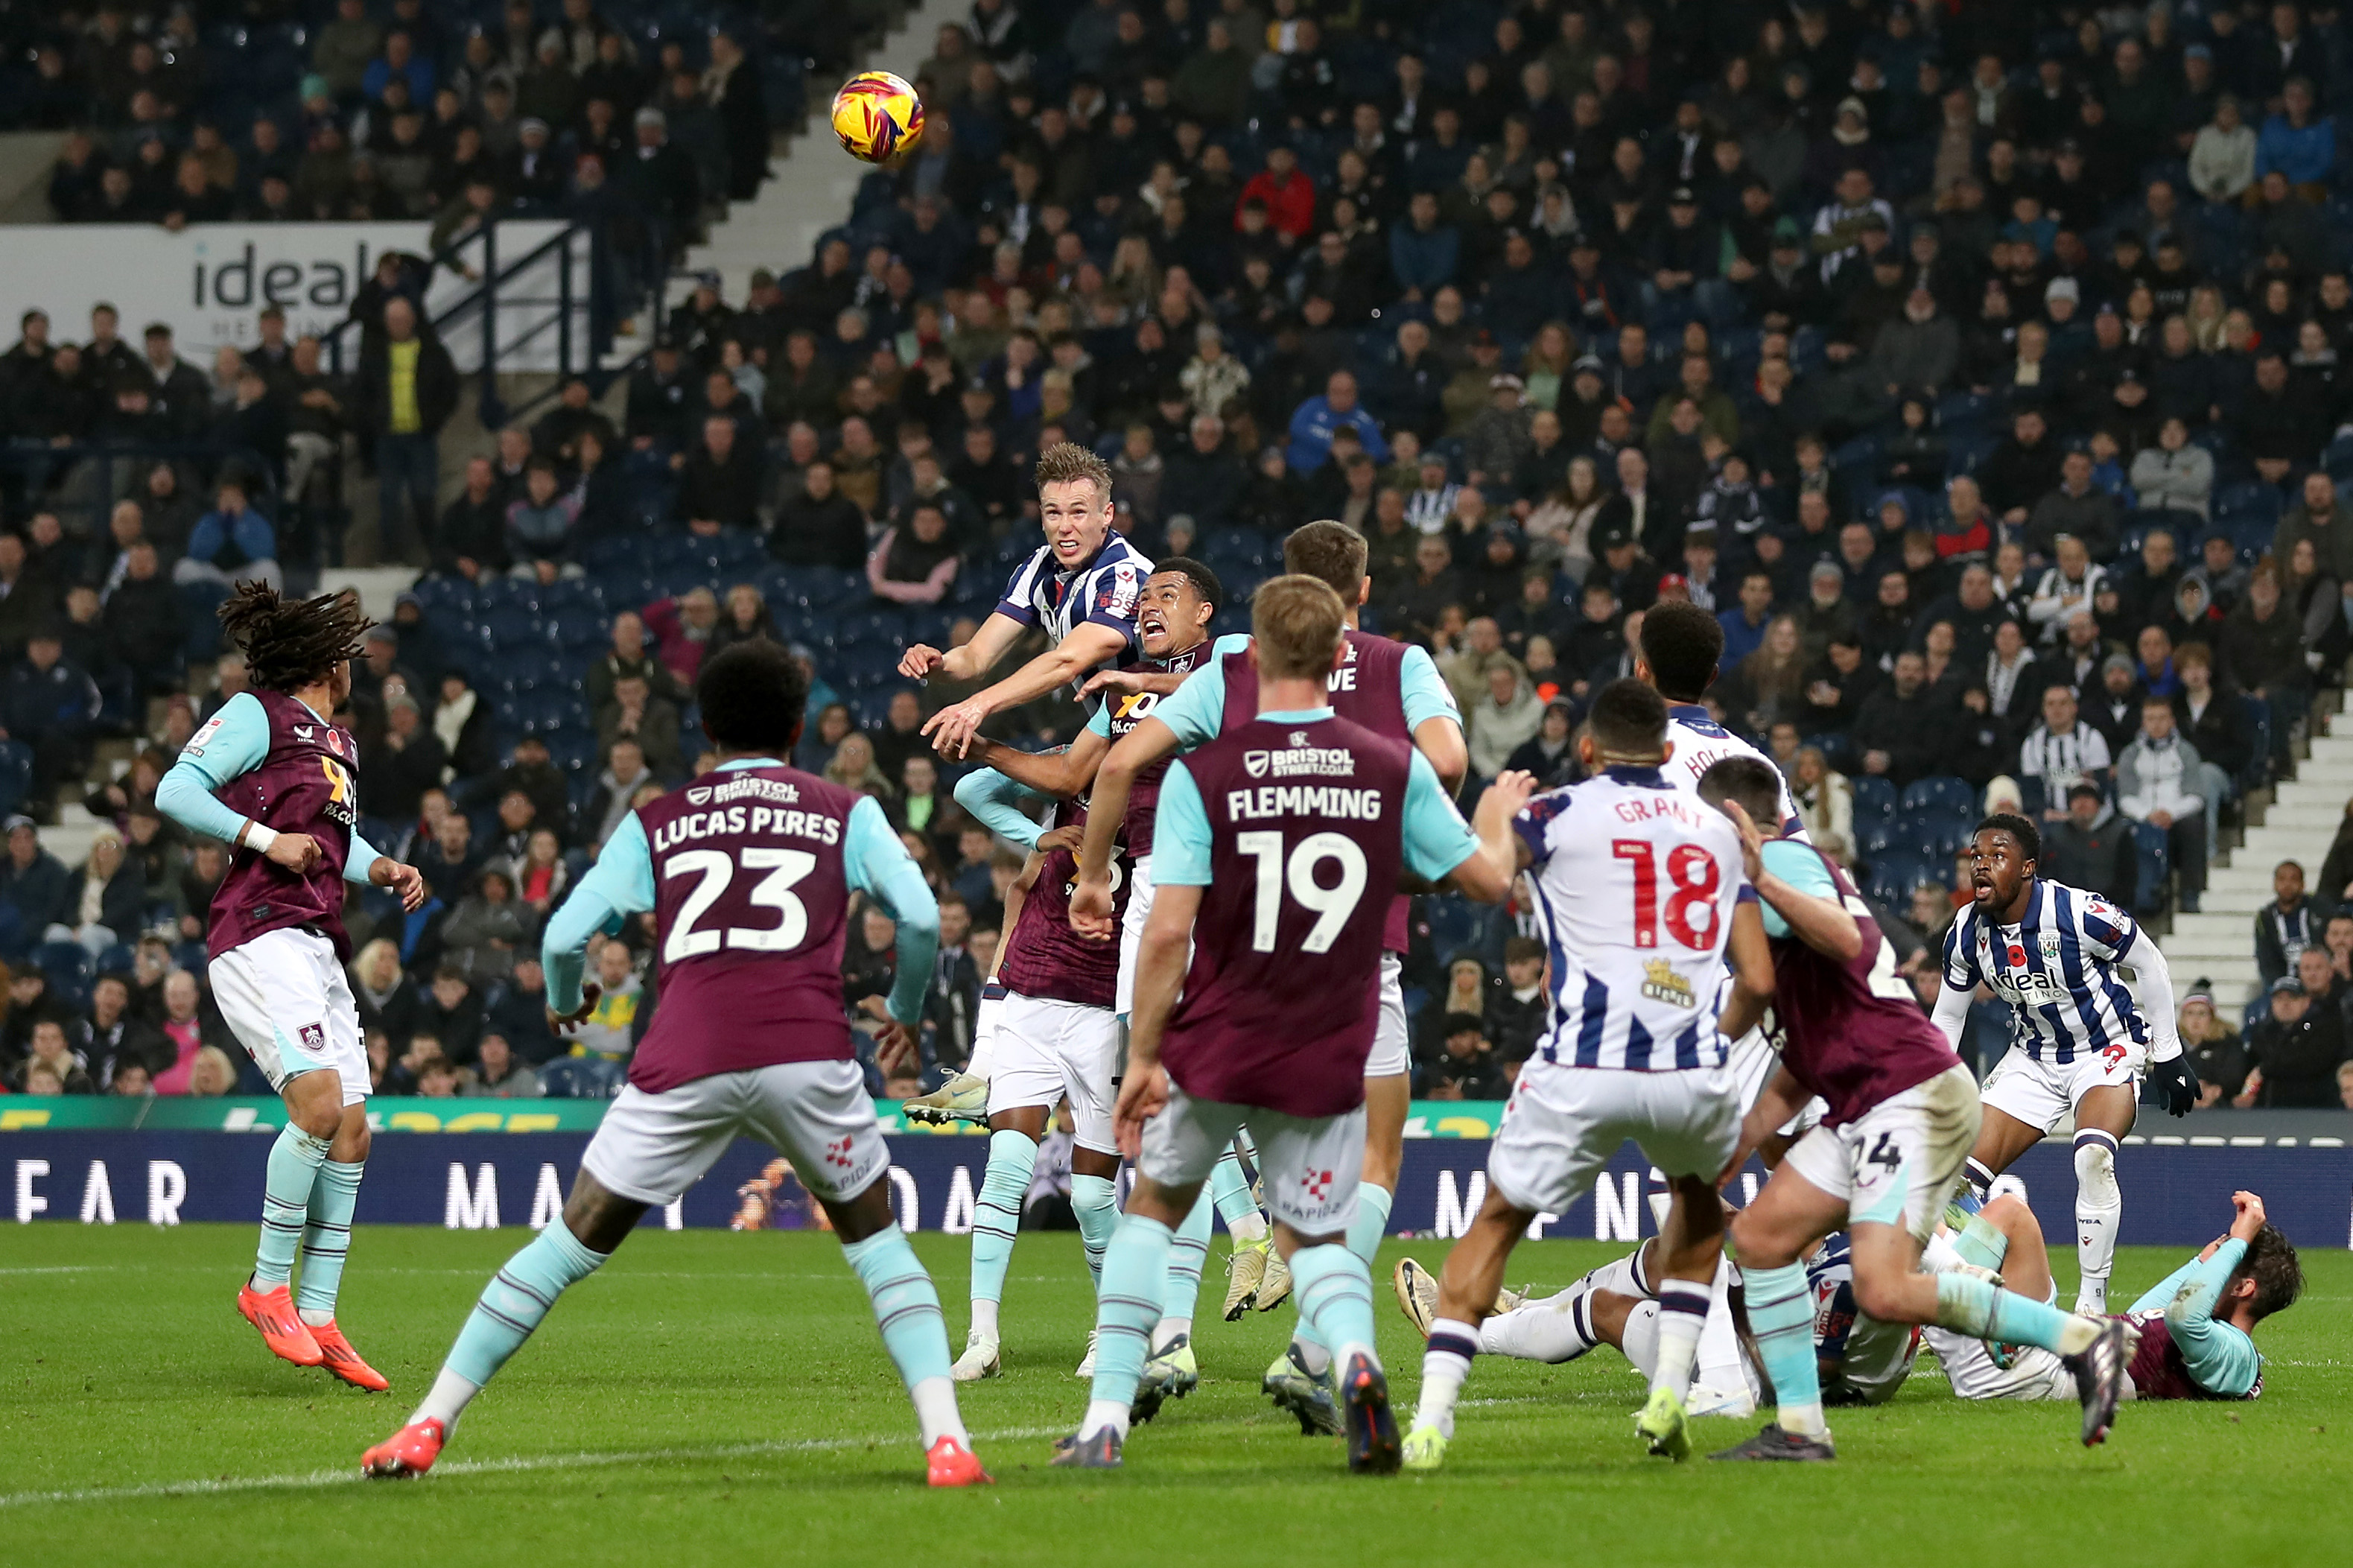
x=1251, y=1227
x=1103, y=1413
x=936, y=1411
x=983, y=1320
x=449, y=1396
x=1312, y=1355
x=1168, y=1332
x=1555, y=1330
x=1719, y=1340
x=1682, y=1307
x=315, y=1318
x=2099, y=1214
x=1444, y=1366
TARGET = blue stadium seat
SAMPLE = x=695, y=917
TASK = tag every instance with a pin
x=16, y=774
x=583, y=1077
x=69, y=968
x=1940, y=792
x=1873, y=797
x=1458, y=928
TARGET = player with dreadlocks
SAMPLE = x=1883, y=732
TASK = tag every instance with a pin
x=273, y=776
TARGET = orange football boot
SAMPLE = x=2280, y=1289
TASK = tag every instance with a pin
x=408, y=1452
x=282, y=1328
x=338, y=1357
x=951, y=1464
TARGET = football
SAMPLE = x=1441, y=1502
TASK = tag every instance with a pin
x=878, y=117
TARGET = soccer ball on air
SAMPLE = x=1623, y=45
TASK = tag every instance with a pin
x=878, y=117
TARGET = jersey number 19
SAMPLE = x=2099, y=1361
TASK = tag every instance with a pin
x=1330, y=906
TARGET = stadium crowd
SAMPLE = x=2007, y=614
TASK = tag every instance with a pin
x=1978, y=366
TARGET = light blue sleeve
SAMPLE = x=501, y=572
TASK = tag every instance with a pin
x=358, y=859
x=880, y=866
x=1180, y=832
x=232, y=743
x=1196, y=710
x=1802, y=869
x=1437, y=839
x=1423, y=690
x=2220, y=1357
x=1001, y=805
x=1099, y=721
x=620, y=883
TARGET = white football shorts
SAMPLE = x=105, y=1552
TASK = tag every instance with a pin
x=1308, y=1166
x=1563, y=1124
x=289, y=1005
x=2043, y=1093
x=1046, y=1049
x=1897, y=1162
x=652, y=1147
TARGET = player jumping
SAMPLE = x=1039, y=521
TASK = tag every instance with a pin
x=1393, y=689
x=749, y=871
x=272, y=775
x=1640, y=894
x=1901, y=1111
x=1081, y=586
x=2091, y=1002
x=1275, y=844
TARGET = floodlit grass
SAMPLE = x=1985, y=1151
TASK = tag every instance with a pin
x=710, y=1397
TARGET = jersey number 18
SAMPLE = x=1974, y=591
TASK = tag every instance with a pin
x=1694, y=873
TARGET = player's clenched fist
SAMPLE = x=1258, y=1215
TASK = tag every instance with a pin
x=1091, y=909
x=298, y=852
x=919, y=661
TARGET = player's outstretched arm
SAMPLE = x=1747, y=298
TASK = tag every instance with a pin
x=1782, y=1098
x=880, y=867
x=1159, y=682
x=1091, y=900
x=1064, y=773
x=1809, y=906
x=1749, y=955
x=620, y=884
x=1089, y=644
x=975, y=658
x=1479, y=861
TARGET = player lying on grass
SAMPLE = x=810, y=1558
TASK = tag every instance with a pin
x=2196, y=1325
x=748, y=871
x=275, y=778
x=1901, y=1114
x=1278, y=842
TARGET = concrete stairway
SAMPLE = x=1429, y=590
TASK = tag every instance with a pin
x=813, y=180
x=2218, y=943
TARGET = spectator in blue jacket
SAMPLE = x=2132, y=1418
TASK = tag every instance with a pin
x=1313, y=424
x=231, y=544
x=1423, y=252
x=2298, y=143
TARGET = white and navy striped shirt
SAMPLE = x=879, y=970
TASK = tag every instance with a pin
x=1636, y=882
x=1104, y=591
x=1701, y=742
x=2058, y=968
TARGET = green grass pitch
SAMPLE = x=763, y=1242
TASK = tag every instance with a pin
x=711, y=1397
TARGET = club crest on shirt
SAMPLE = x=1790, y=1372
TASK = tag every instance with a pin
x=1661, y=983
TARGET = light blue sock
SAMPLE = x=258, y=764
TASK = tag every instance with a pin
x=1187, y=1251
x=516, y=1299
x=1971, y=1306
x=996, y=1219
x=1335, y=1298
x=327, y=1238
x=1135, y=1268
x=1095, y=1200
x=1371, y=1224
x=293, y=1172
x=1782, y=1316
x=1230, y=1190
x=1982, y=1244
x=906, y=1306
